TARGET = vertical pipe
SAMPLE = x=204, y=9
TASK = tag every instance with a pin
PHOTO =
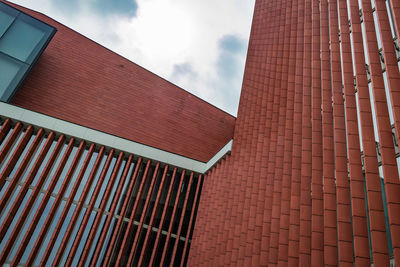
x=104, y=231
x=43, y=203
x=143, y=216
x=160, y=225
x=75, y=215
x=50, y=246
x=124, y=245
x=153, y=215
x=116, y=232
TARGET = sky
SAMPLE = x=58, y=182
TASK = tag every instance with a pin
x=199, y=45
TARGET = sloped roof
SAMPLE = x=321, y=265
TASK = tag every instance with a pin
x=80, y=81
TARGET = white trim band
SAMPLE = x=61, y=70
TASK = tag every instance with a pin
x=108, y=140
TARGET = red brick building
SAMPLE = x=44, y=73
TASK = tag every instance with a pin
x=312, y=179
x=104, y=163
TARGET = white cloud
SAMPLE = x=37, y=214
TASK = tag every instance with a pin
x=169, y=33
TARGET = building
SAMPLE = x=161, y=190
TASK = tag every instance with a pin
x=302, y=184
x=87, y=171
x=93, y=174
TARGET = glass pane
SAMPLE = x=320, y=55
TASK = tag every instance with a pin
x=20, y=40
x=9, y=70
x=5, y=21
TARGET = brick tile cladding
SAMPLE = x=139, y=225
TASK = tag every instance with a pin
x=293, y=191
x=82, y=82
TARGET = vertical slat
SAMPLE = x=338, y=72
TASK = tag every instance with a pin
x=15, y=206
x=143, y=216
x=294, y=215
x=43, y=204
x=89, y=209
x=388, y=154
x=178, y=235
x=208, y=251
x=125, y=245
x=258, y=106
x=359, y=221
x=191, y=222
x=160, y=225
x=390, y=58
x=105, y=229
x=14, y=134
x=213, y=214
x=153, y=215
x=274, y=83
x=344, y=232
x=305, y=198
x=15, y=156
x=117, y=228
x=172, y=218
x=50, y=246
x=32, y=198
x=287, y=167
x=75, y=215
x=54, y=207
x=286, y=98
x=224, y=214
x=395, y=5
x=372, y=181
x=328, y=164
x=5, y=127
x=317, y=215
x=263, y=105
x=21, y=169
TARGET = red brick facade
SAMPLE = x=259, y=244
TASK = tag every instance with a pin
x=80, y=81
x=304, y=161
x=312, y=178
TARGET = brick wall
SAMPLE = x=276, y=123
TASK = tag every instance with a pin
x=298, y=188
x=80, y=81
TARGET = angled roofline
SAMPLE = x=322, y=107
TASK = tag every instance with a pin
x=123, y=57
x=80, y=132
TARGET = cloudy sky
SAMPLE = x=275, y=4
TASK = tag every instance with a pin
x=200, y=45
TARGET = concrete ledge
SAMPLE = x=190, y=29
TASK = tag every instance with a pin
x=108, y=140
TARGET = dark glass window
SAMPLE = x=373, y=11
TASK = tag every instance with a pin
x=22, y=41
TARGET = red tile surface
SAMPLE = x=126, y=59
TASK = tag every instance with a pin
x=295, y=194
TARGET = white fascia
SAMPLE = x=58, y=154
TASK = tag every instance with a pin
x=104, y=139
